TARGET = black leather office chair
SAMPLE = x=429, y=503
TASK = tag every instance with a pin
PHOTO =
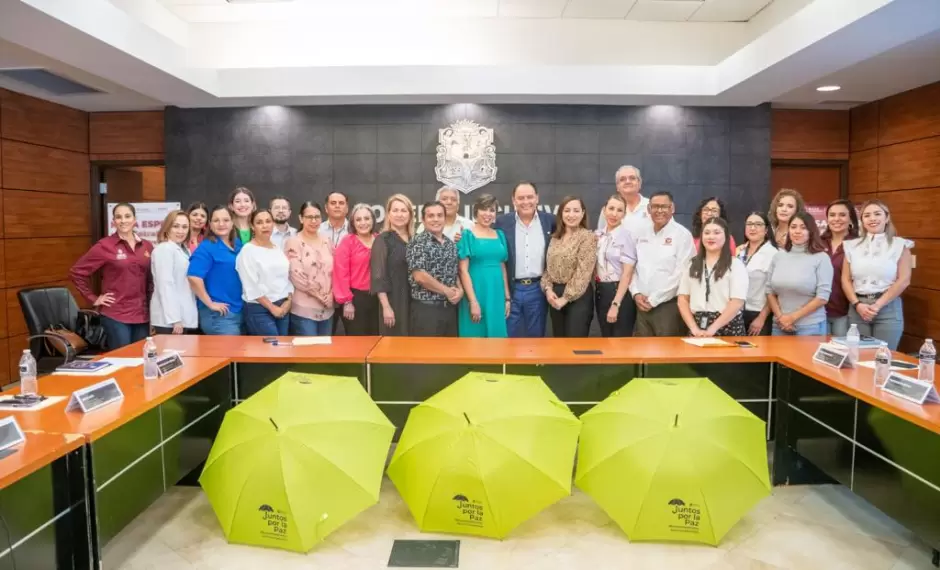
x=44, y=308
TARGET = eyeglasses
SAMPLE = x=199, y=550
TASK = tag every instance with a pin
x=312, y=218
x=660, y=207
x=754, y=224
x=711, y=210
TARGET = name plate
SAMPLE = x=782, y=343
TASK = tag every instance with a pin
x=910, y=389
x=10, y=433
x=168, y=363
x=831, y=356
x=95, y=396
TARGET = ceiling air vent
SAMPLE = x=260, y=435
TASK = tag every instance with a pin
x=47, y=81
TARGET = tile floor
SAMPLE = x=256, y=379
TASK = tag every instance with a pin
x=797, y=528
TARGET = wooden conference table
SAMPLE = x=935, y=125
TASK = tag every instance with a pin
x=825, y=424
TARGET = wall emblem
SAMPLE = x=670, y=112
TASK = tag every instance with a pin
x=466, y=157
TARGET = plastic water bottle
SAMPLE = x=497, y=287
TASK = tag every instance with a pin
x=852, y=340
x=29, y=386
x=150, y=360
x=928, y=355
x=882, y=365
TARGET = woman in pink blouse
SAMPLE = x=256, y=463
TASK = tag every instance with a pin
x=311, y=273
x=352, y=274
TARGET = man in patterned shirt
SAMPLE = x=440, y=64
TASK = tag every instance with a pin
x=432, y=274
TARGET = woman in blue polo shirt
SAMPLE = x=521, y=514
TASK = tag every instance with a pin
x=213, y=277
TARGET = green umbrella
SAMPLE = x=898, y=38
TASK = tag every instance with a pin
x=673, y=459
x=485, y=454
x=297, y=460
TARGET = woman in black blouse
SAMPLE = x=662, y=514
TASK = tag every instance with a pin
x=390, y=268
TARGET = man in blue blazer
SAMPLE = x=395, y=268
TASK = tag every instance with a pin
x=528, y=233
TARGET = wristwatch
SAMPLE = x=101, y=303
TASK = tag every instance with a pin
x=615, y=304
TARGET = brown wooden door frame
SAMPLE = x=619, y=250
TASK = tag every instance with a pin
x=842, y=164
x=98, y=205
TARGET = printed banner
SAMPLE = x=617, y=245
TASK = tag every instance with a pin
x=150, y=216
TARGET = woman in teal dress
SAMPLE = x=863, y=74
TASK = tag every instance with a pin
x=483, y=253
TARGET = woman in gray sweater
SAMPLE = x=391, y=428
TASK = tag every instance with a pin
x=800, y=281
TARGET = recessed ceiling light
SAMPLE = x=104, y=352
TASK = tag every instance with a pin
x=827, y=88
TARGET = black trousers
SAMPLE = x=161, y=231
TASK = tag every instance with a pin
x=749, y=317
x=432, y=319
x=169, y=330
x=366, y=320
x=626, y=314
x=574, y=319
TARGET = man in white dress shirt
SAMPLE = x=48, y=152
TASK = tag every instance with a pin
x=629, y=182
x=280, y=211
x=663, y=250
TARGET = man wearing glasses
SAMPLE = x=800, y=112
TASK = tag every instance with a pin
x=280, y=211
x=629, y=182
x=663, y=251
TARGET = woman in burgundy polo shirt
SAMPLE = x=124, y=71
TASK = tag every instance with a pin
x=123, y=259
x=841, y=225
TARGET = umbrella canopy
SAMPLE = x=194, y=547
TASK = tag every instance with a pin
x=673, y=459
x=297, y=460
x=485, y=454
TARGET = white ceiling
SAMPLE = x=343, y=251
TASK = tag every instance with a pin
x=641, y=10
x=207, y=53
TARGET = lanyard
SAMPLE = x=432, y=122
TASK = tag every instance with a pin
x=708, y=276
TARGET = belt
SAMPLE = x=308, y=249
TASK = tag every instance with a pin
x=873, y=296
x=432, y=303
x=528, y=281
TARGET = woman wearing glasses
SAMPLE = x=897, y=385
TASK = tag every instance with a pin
x=707, y=209
x=757, y=254
x=310, y=256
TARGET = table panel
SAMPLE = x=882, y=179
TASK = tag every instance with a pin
x=589, y=383
x=250, y=377
x=48, y=506
x=418, y=382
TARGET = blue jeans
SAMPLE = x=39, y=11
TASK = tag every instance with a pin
x=818, y=329
x=888, y=324
x=122, y=334
x=528, y=308
x=213, y=323
x=302, y=326
x=838, y=326
x=260, y=322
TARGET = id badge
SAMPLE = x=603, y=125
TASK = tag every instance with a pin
x=703, y=323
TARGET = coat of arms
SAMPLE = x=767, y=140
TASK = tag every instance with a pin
x=466, y=157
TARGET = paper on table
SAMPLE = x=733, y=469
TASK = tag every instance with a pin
x=6, y=405
x=311, y=340
x=871, y=364
x=124, y=362
x=706, y=342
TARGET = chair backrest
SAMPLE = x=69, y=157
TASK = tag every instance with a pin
x=44, y=307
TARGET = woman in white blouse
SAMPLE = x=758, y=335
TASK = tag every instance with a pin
x=173, y=305
x=758, y=256
x=265, y=274
x=713, y=290
x=877, y=269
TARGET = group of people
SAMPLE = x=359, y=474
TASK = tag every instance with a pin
x=239, y=268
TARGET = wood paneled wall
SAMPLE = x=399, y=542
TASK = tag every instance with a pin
x=45, y=182
x=895, y=156
x=809, y=135
x=132, y=136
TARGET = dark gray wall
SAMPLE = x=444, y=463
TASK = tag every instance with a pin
x=371, y=152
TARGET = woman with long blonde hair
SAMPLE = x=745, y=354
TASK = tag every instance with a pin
x=173, y=305
x=876, y=270
x=390, y=266
x=786, y=204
